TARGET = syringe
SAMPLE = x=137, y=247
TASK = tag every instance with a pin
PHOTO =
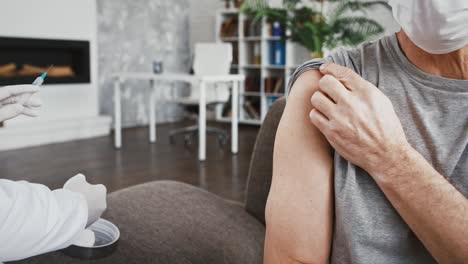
x=38, y=82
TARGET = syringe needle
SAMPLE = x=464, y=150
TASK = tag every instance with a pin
x=50, y=67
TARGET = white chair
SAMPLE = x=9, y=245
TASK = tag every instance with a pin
x=210, y=59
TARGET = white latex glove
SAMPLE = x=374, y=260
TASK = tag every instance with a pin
x=87, y=239
x=96, y=196
x=10, y=105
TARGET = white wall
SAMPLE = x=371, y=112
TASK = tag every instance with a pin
x=140, y=32
x=56, y=19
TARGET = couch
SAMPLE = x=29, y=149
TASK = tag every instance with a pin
x=172, y=222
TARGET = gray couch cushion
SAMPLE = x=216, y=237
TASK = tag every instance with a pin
x=170, y=222
x=261, y=164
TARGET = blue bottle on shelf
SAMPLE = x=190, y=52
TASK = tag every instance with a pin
x=278, y=48
x=280, y=52
x=277, y=30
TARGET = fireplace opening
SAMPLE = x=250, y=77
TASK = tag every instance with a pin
x=23, y=59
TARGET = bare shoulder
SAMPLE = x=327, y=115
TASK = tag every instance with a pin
x=302, y=90
x=306, y=84
x=295, y=128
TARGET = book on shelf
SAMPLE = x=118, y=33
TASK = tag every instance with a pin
x=268, y=84
x=275, y=29
x=277, y=52
x=229, y=27
x=252, y=83
x=277, y=48
x=252, y=28
x=235, y=53
x=257, y=54
x=251, y=111
x=278, y=85
x=274, y=84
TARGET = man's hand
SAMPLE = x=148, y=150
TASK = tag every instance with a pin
x=357, y=119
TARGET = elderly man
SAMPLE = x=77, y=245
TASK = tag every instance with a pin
x=371, y=158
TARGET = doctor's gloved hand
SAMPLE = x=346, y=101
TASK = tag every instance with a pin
x=10, y=101
x=96, y=196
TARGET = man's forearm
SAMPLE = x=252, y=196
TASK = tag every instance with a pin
x=434, y=209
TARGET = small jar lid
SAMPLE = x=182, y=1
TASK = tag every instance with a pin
x=106, y=237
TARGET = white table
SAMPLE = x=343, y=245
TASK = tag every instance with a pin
x=236, y=80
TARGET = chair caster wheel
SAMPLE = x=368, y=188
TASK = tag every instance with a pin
x=222, y=141
x=188, y=140
x=172, y=140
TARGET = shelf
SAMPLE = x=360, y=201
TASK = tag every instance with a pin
x=275, y=67
x=259, y=38
x=229, y=39
x=224, y=119
x=253, y=38
x=273, y=38
x=274, y=94
x=250, y=121
x=252, y=66
x=251, y=94
x=230, y=11
x=254, y=44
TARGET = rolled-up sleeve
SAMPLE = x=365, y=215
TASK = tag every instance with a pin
x=307, y=66
x=338, y=56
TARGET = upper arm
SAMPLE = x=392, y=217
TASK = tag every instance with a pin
x=300, y=203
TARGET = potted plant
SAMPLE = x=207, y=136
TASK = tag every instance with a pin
x=346, y=23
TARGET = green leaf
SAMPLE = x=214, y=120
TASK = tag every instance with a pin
x=354, y=30
x=356, y=6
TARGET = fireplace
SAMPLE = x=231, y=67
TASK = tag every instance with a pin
x=23, y=59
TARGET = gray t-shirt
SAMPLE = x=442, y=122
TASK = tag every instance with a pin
x=434, y=114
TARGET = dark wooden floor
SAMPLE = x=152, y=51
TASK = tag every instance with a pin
x=137, y=162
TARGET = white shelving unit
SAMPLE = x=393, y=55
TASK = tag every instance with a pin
x=258, y=97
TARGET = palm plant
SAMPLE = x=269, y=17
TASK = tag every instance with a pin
x=316, y=30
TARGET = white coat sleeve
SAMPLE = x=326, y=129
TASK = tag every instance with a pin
x=35, y=220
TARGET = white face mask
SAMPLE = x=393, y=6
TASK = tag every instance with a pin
x=436, y=26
